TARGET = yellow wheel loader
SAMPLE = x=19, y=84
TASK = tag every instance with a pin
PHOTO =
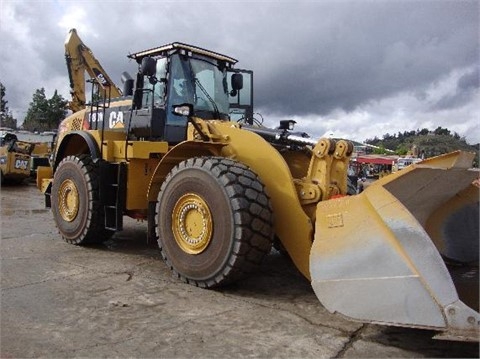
x=217, y=193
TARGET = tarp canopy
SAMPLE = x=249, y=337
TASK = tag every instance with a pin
x=376, y=159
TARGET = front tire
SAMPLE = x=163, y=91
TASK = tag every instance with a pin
x=214, y=221
x=75, y=201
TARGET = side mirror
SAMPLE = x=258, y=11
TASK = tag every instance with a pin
x=148, y=66
x=185, y=109
x=237, y=82
x=128, y=88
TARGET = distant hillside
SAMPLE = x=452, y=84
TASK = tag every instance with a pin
x=424, y=142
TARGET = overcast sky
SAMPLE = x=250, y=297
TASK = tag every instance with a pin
x=352, y=69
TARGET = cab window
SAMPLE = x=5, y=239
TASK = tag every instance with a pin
x=158, y=87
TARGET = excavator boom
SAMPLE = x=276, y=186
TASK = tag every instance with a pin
x=80, y=59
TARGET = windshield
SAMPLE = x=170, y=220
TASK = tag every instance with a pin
x=210, y=87
x=200, y=83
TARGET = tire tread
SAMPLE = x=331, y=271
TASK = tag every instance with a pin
x=252, y=216
x=94, y=230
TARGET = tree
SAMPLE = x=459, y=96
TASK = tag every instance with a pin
x=380, y=150
x=429, y=143
x=45, y=114
x=441, y=131
x=58, y=109
x=6, y=118
x=402, y=150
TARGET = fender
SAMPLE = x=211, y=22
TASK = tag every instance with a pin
x=77, y=142
x=177, y=154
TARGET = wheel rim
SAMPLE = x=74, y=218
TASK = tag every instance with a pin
x=192, y=224
x=68, y=200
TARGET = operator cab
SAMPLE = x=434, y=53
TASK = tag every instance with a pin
x=177, y=74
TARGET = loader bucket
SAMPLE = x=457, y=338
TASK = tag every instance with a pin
x=405, y=251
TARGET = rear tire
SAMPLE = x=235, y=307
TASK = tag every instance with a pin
x=75, y=201
x=214, y=221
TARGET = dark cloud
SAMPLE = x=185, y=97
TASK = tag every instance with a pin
x=368, y=52
x=465, y=90
x=469, y=81
x=309, y=57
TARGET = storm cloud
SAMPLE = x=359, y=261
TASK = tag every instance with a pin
x=351, y=68
x=467, y=86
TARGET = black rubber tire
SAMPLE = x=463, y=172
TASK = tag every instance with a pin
x=87, y=226
x=241, y=216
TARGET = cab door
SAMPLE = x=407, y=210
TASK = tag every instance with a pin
x=241, y=101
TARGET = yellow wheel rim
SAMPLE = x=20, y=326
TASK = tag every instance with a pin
x=192, y=224
x=68, y=200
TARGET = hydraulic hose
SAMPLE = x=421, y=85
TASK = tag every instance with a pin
x=280, y=136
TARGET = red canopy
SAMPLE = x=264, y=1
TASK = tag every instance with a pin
x=376, y=159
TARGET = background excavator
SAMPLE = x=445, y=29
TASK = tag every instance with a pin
x=80, y=59
x=217, y=193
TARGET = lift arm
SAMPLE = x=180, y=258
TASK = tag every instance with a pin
x=80, y=59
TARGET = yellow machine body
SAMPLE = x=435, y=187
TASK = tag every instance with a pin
x=384, y=247
x=403, y=252
x=15, y=159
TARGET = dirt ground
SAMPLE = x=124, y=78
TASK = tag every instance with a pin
x=118, y=300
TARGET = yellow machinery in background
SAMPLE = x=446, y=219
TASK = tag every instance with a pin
x=15, y=159
x=80, y=59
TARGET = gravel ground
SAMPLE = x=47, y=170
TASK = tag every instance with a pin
x=118, y=300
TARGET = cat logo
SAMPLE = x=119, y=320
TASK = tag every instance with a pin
x=21, y=164
x=115, y=120
x=100, y=77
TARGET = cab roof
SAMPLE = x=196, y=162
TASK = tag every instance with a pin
x=165, y=50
